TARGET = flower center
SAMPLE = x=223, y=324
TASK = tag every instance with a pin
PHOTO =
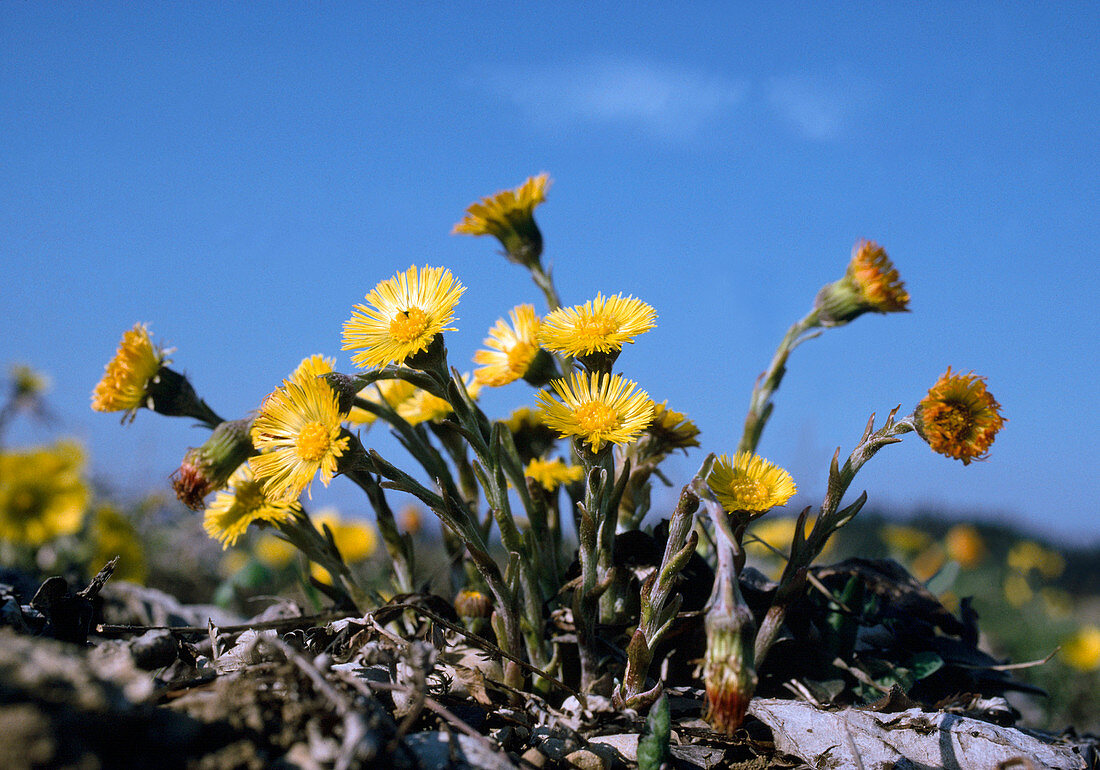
x=250, y=496
x=594, y=328
x=955, y=421
x=752, y=494
x=409, y=325
x=520, y=356
x=313, y=441
x=596, y=417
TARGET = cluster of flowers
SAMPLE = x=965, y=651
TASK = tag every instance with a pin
x=261, y=466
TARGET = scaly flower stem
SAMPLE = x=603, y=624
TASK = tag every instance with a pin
x=831, y=517
x=760, y=406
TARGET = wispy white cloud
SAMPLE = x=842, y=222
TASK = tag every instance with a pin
x=664, y=100
x=817, y=107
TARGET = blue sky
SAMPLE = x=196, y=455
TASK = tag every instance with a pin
x=239, y=177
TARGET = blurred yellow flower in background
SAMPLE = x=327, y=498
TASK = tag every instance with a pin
x=965, y=545
x=1017, y=590
x=355, y=539
x=553, y=473
x=297, y=432
x=928, y=562
x=402, y=316
x=748, y=482
x=904, y=539
x=1028, y=555
x=113, y=534
x=392, y=393
x=1082, y=650
x=42, y=493
x=959, y=417
x=127, y=375
x=273, y=551
x=411, y=519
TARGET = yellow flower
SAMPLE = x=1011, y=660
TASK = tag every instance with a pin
x=473, y=604
x=356, y=540
x=1017, y=590
x=244, y=502
x=298, y=433
x=777, y=533
x=672, y=430
x=1082, y=650
x=904, y=539
x=274, y=552
x=127, y=375
x=403, y=315
x=1027, y=555
x=601, y=325
x=412, y=520
x=596, y=408
x=422, y=406
x=42, y=493
x=959, y=418
x=870, y=283
x=965, y=545
x=28, y=383
x=113, y=534
x=514, y=348
x=510, y=217
x=390, y=392
x=748, y=482
x=928, y=562
x=553, y=473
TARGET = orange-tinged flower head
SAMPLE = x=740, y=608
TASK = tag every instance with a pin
x=402, y=316
x=959, y=417
x=870, y=284
x=125, y=382
x=509, y=215
x=965, y=545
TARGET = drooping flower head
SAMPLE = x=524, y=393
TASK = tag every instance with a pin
x=596, y=408
x=42, y=493
x=600, y=326
x=126, y=379
x=749, y=483
x=402, y=316
x=298, y=432
x=551, y=474
x=671, y=430
x=510, y=217
x=959, y=417
x=514, y=348
x=245, y=501
x=533, y=437
x=870, y=284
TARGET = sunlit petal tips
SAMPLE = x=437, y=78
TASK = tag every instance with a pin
x=601, y=325
x=402, y=316
x=245, y=502
x=513, y=348
x=596, y=408
x=298, y=433
x=959, y=417
x=125, y=381
x=748, y=482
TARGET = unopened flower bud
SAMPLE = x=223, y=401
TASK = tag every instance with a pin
x=729, y=671
x=207, y=468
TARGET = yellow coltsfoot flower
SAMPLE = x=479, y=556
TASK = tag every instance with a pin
x=125, y=383
x=596, y=408
x=402, y=317
x=244, y=502
x=421, y=406
x=599, y=328
x=42, y=493
x=392, y=393
x=551, y=474
x=672, y=430
x=870, y=284
x=750, y=483
x=297, y=432
x=514, y=348
x=959, y=417
x=510, y=217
